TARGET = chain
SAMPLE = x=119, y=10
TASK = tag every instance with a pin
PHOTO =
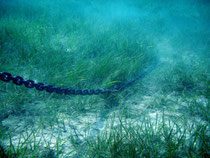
x=7, y=77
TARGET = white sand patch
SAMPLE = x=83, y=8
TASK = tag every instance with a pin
x=82, y=127
x=89, y=125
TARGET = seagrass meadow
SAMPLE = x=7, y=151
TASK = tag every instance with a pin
x=97, y=44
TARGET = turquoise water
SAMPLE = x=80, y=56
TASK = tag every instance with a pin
x=91, y=44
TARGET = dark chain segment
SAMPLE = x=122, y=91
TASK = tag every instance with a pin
x=7, y=77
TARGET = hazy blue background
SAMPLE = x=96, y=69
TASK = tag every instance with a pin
x=175, y=27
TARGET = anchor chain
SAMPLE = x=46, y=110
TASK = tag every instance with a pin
x=7, y=77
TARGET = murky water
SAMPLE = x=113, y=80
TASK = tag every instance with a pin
x=177, y=32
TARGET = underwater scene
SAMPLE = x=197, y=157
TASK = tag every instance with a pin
x=104, y=78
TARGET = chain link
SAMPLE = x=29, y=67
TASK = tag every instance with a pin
x=7, y=77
